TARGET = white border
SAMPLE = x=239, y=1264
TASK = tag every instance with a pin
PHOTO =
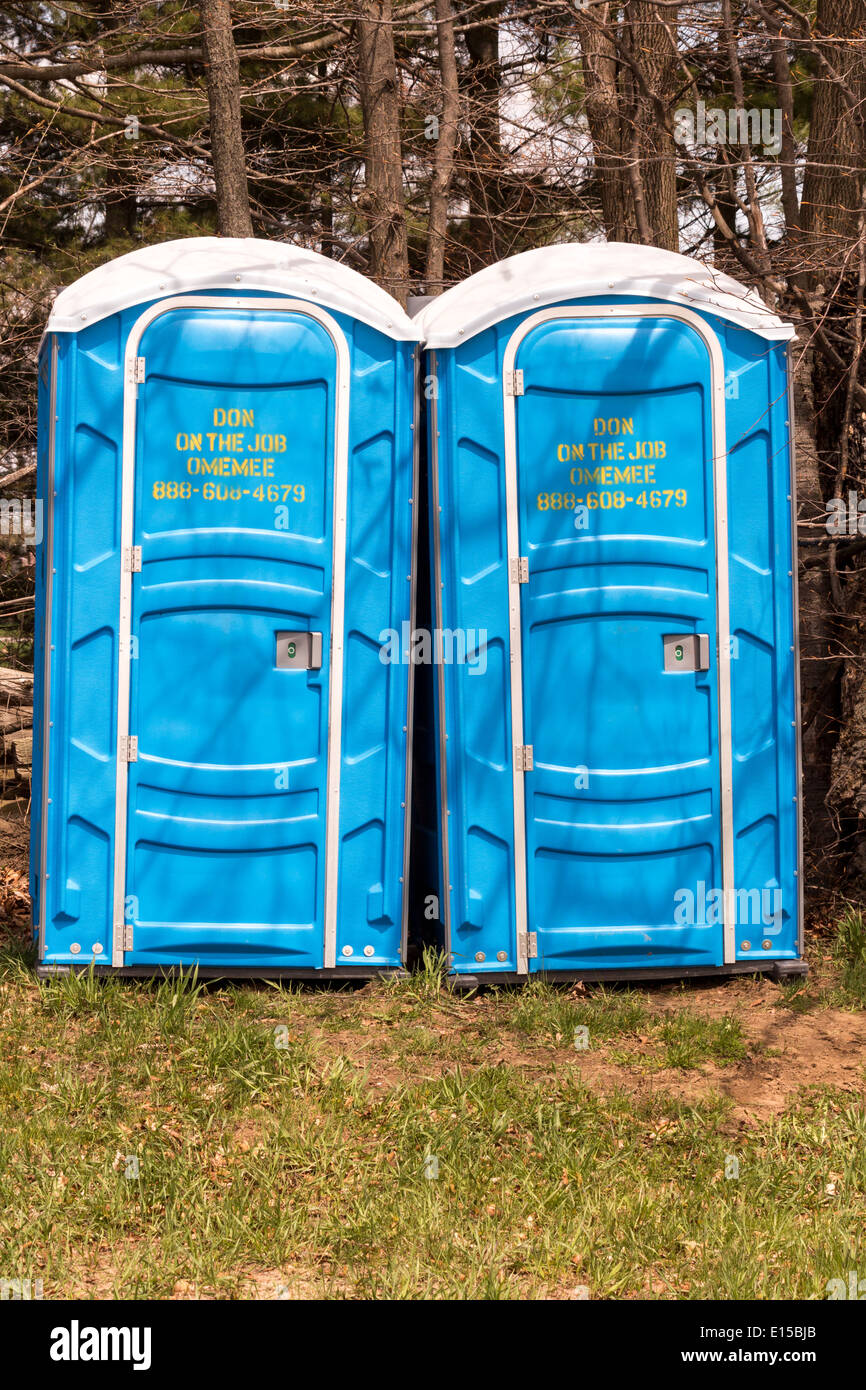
x=717, y=405
x=338, y=573
x=436, y=614
x=414, y=502
x=48, y=596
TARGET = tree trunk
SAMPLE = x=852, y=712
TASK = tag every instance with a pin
x=833, y=178
x=380, y=104
x=486, y=234
x=443, y=156
x=222, y=71
x=653, y=43
x=833, y=246
x=819, y=666
x=604, y=116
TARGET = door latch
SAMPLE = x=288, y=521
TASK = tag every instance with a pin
x=299, y=651
x=686, y=651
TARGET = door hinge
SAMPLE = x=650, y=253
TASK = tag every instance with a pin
x=138, y=371
x=530, y=942
x=523, y=757
x=514, y=382
x=127, y=937
x=132, y=559
x=520, y=570
x=129, y=748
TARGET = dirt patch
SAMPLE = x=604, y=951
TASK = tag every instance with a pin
x=304, y=1284
x=785, y=1051
x=253, y=1133
x=824, y=1048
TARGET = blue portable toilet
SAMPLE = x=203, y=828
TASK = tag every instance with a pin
x=226, y=454
x=612, y=532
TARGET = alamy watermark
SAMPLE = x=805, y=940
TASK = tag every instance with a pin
x=846, y=516
x=441, y=647
x=852, y=1287
x=736, y=126
x=747, y=907
x=20, y=1289
x=21, y=516
x=77, y=1343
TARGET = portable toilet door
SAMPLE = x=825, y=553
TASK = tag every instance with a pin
x=226, y=450
x=613, y=543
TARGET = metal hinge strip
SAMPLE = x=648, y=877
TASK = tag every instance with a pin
x=129, y=748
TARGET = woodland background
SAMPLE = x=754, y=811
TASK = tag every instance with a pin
x=419, y=142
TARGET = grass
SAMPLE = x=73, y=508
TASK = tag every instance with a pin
x=541, y=1009
x=167, y=1139
x=849, y=950
x=798, y=996
x=837, y=977
x=683, y=1041
x=689, y=1040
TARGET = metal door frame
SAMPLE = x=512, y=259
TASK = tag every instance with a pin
x=338, y=572
x=723, y=676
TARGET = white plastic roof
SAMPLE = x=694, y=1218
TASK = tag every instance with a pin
x=194, y=264
x=577, y=270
